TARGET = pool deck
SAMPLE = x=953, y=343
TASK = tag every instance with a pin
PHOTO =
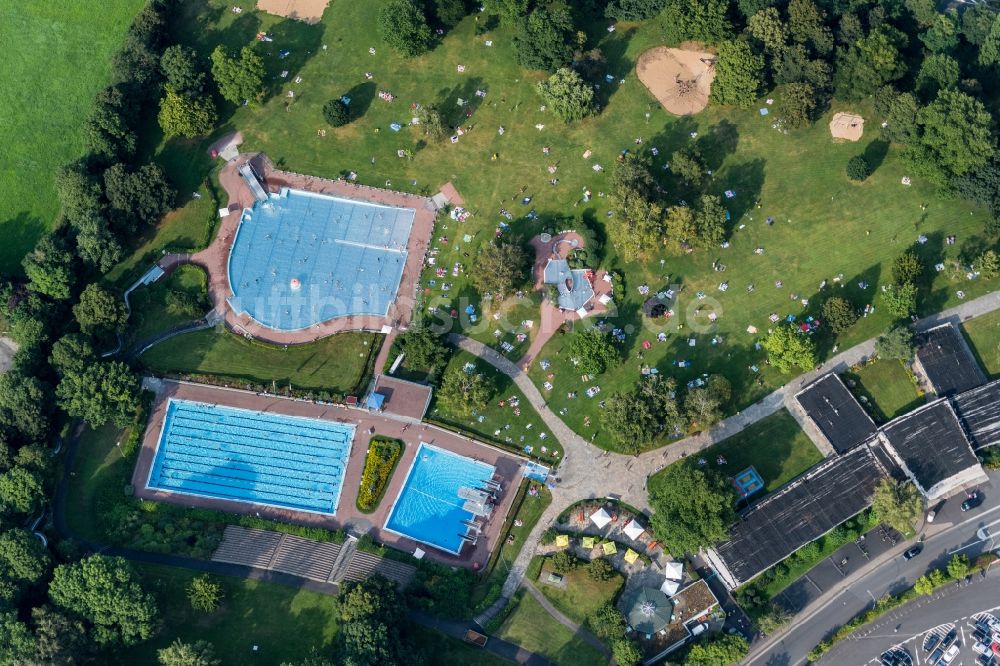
x=508, y=466
x=215, y=257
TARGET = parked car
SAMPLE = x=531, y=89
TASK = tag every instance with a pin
x=974, y=499
x=698, y=629
x=949, y=638
x=985, y=660
x=935, y=657
x=932, y=642
x=950, y=655
x=913, y=552
x=981, y=648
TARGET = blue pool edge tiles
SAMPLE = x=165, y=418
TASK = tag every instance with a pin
x=252, y=457
x=442, y=534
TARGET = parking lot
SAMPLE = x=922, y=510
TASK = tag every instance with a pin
x=972, y=640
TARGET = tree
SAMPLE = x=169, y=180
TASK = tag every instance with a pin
x=544, y=38
x=370, y=614
x=796, y=104
x=79, y=193
x=137, y=197
x=108, y=130
x=691, y=508
x=423, y=348
x=767, y=27
x=499, y=267
x=688, y=165
x=600, y=570
x=629, y=421
x=907, y=267
x=178, y=653
x=509, y=11
x=634, y=10
x=900, y=113
x=806, y=23
x=402, y=25
x=432, y=122
x=626, y=652
x=59, y=640
x=17, y=645
x=989, y=50
x=977, y=21
x=50, y=267
x=24, y=404
x=181, y=115
x=926, y=584
x=900, y=299
x=839, y=314
x=637, y=221
x=776, y=617
x=896, y=343
x=607, y=621
x=450, y=12
x=897, y=504
x=71, y=353
x=958, y=566
x=567, y=94
x=25, y=560
x=739, y=75
x=240, y=80
x=787, y=348
x=204, y=593
x=100, y=393
x=710, y=221
x=703, y=405
x=942, y=35
x=722, y=650
x=465, y=392
x=97, y=245
x=858, y=168
x=104, y=593
x=955, y=137
x=336, y=113
x=937, y=71
x=181, y=71
x=871, y=62
x=99, y=311
x=592, y=351
x=987, y=264
x=698, y=20
x=680, y=229
x=563, y=562
x=21, y=491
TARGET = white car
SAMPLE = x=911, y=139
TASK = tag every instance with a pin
x=980, y=648
x=950, y=655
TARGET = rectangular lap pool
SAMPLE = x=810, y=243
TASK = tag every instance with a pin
x=428, y=508
x=246, y=456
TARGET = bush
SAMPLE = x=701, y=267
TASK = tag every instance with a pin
x=858, y=168
x=204, y=593
x=563, y=562
x=383, y=454
x=600, y=570
x=336, y=113
x=403, y=26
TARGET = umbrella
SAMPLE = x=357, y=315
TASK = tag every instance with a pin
x=609, y=548
x=631, y=556
x=634, y=530
x=588, y=542
x=562, y=540
x=649, y=610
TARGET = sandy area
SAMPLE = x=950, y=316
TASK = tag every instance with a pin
x=310, y=11
x=847, y=126
x=679, y=79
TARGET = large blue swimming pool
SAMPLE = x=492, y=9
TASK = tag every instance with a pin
x=301, y=258
x=428, y=508
x=247, y=456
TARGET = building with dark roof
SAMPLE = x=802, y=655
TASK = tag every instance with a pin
x=930, y=445
x=830, y=405
x=979, y=412
x=947, y=362
x=802, y=511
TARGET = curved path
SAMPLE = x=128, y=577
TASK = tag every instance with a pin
x=557, y=615
x=587, y=472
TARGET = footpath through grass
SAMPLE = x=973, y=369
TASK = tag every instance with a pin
x=884, y=389
x=531, y=627
x=56, y=56
x=983, y=334
x=581, y=595
x=153, y=310
x=334, y=365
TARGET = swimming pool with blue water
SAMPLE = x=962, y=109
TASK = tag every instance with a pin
x=248, y=456
x=428, y=508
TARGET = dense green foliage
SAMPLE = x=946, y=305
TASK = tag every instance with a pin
x=692, y=508
x=380, y=461
x=402, y=25
x=567, y=94
x=897, y=504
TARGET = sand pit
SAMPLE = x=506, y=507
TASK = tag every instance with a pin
x=847, y=126
x=310, y=11
x=678, y=78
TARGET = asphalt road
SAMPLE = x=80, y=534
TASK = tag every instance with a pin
x=952, y=531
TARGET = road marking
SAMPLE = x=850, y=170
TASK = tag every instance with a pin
x=983, y=532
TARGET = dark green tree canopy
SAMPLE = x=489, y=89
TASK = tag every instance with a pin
x=692, y=508
x=240, y=79
x=567, y=94
x=544, y=38
x=739, y=75
x=181, y=70
x=137, y=197
x=403, y=26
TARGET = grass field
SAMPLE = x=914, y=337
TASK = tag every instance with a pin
x=534, y=629
x=885, y=387
x=501, y=424
x=983, y=334
x=334, y=364
x=776, y=446
x=150, y=314
x=582, y=596
x=97, y=460
x=56, y=58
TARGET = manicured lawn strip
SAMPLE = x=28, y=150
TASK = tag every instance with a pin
x=333, y=365
x=983, y=334
x=582, y=595
x=57, y=56
x=150, y=314
x=886, y=387
x=491, y=424
x=443, y=650
x=380, y=463
x=531, y=627
x=776, y=446
x=98, y=461
x=252, y=613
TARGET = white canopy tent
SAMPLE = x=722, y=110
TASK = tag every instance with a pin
x=669, y=587
x=634, y=530
x=600, y=518
x=674, y=570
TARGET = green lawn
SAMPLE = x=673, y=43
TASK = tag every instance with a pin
x=333, y=365
x=534, y=629
x=776, y=446
x=99, y=462
x=501, y=424
x=56, y=58
x=983, y=334
x=884, y=388
x=252, y=613
x=441, y=650
x=582, y=596
x=150, y=314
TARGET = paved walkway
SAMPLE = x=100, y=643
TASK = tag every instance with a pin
x=558, y=616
